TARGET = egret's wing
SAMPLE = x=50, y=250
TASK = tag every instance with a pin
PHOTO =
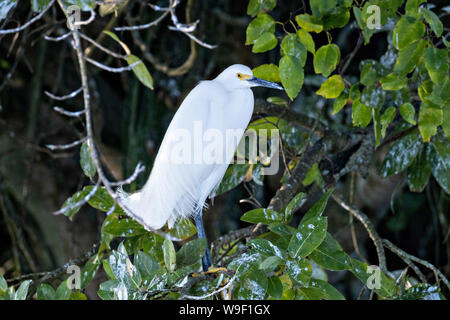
x=176, y=186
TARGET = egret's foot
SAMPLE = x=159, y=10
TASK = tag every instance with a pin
x=213, y=269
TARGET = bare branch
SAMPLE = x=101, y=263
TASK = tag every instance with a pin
x=98, y=45
x=30, y=22
x=110, y=69
x=65, y=97
x=139, y=168
x=69, y=113
x=65, y=146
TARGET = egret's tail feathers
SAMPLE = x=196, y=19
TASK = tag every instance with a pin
x=149, y=208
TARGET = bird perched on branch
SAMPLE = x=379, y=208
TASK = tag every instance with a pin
x=197, y=148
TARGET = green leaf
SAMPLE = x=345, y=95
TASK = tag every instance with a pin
x=430, y=117
x=270, y=263
x=436, y=64
x=440, y=163
x=401, y=154
x=293, y=205
x=114, y=7
x=376, y=126
x=361, y=114
x=338, y=18
x=299, y=270
x=253, y=286
x=145, y=264
x=77, y=296
x=126, y=227
x=86, y=162
x=261, y=215
x=234, y=175
x=329, y=255
x=309, y=235
x=313, y=175
x=266, y=248
x=277, y=100
x=331, y=293
x=332, y=87
x=192, y=252
x=102, y=201
x=170, y=258
x=340, y=103
x=373, y=97
x=21, y=293
x=77, y=197
x=407, y=31
x=46, y=292
x=408, y=112
x=319, y=207
x=63, y=291
x=183, y=229
x=309, y=23
x=258, y=6
x=140, y=70
x=261, y=24
x=291, y=74
x=3, y=284
x=88, y=273
x=386, y=119
x=409, y=57
x=275, y=287
x=267, y=41
x=307, y=40
x=433, y=20
x=360, y=270
x=446, y=121
x=393, y=82
x=419, y=171
x=326, y=59
x=321, y=8
x=267, y=72
x=291, y=46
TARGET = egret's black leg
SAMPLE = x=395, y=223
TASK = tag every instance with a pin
x=206, y=260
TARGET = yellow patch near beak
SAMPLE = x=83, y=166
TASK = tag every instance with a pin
x=242, y=76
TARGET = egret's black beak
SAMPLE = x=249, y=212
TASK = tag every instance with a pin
x=256, y=82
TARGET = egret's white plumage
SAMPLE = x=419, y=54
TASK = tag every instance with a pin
x=176, y=190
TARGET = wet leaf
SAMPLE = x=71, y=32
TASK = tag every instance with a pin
x=329, y=255
x=293, y=205
x=308, y=236
x=401, y=154
x=262, y=215
x=300, y=270
x=253, y=286
x=361, y=114
x=183, y=229
x=145, y=263
x=191, y=253
x=419, y=171
x=440, y=163
x=86, y=162
x=319, y=207
x=88, y=273
x=234, y=175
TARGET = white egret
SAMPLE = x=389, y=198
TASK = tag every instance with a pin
x=181, y=178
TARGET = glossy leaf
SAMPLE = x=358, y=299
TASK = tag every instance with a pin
x=307, y=40
x=308, y=236
x=262, y=215
x=261, y=24
x=408, y=112
x=309, y=23
x=191, y=253
x=440, y=163
x=419, y=171
x=329, y=254
x=258, y=6
x=361, y=114
x=170, y=259
x=299, y=270
x=401, y=154
x=265, y=42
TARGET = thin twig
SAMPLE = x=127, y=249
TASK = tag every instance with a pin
x=71, y=95
x=30, y=22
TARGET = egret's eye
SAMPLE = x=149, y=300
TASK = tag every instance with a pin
x=240, y=76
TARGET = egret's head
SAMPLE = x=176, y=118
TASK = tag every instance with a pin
x=239, y=76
